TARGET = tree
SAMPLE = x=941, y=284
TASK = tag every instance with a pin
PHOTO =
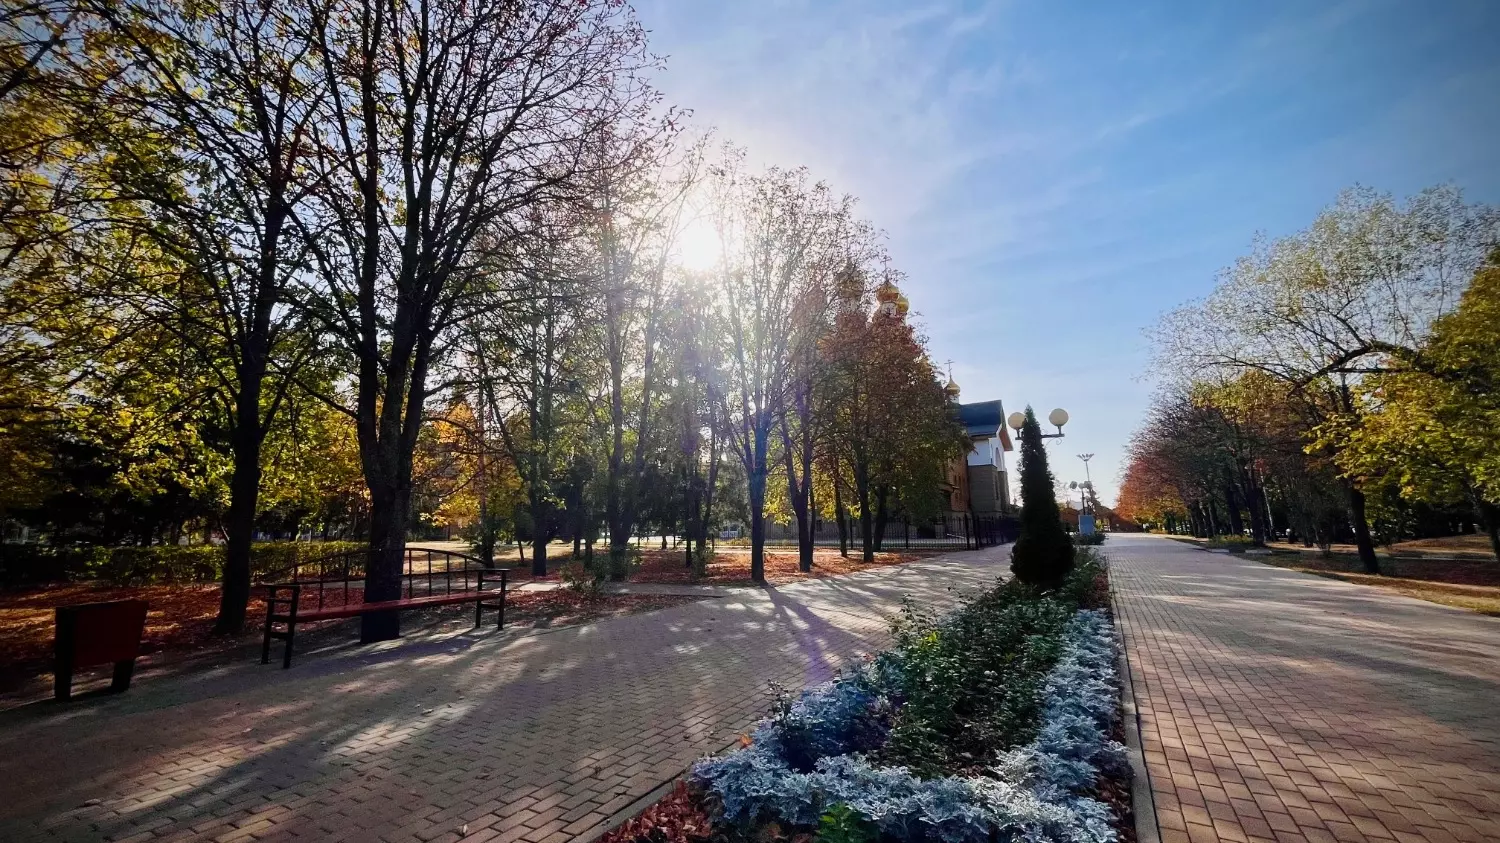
x=890, y=425
x=768, y=223
x=1354, y=295
x=1043, y=554
x=634, y=211
x=215, y=127
x=1429, y=429
x=445, y=122
x=527, y=359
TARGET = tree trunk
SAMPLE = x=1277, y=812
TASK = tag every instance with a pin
x=882, y=517
x=866, y=516
x=759, y=471
x=797, y=495
x=383, y=564
x=244, y=492
x=758, y=527
x=1232, y=503
x=1362, y=530
x=706, y=509
x=1489, y=517
x=538, y=553
x=839, y=516
x=688, y=526
x=1253, y=502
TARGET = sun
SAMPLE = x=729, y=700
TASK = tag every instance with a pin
x=698, y=246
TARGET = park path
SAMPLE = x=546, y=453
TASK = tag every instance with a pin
x=536, y=736
x=1282, y=706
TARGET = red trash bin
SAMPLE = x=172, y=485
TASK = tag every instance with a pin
x=98, y=633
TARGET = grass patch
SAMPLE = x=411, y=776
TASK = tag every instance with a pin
x=1476, y=598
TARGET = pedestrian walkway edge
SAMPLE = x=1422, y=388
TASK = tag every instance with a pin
x=655, y=795
x=1142, y=801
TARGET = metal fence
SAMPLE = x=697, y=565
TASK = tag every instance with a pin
x=954, y=531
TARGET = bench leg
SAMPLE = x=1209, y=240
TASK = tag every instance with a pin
x=265, y=650
x=291, y=636
x=123, y=671
x=62, y=682
x=479, y=609
x=63, y=656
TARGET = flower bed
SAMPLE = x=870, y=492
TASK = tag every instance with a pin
x=994, y=723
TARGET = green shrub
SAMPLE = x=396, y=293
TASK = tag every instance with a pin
x=1231, y=541
x=27, y=564
x=1093, y=539
x=842, y=824
x=269, y=559
x=1043, y=553
x=583, y=577
x=623, y=561
x=701, y=558
x=152, y=564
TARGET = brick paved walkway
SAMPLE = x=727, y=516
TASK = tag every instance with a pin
x=1282, y=706
x=535, y=737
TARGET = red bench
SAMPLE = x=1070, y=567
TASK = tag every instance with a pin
x=284, y=604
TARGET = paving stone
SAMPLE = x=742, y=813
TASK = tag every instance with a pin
x=540, y=733
x=1367, y=715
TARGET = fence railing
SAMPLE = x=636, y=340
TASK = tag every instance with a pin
x=425, y=572
x=956, y=531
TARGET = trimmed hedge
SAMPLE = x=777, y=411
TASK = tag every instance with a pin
x=1016, y=767
x=22, y=564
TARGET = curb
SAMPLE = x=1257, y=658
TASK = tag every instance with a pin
x=1142, y=798
x=648, y=799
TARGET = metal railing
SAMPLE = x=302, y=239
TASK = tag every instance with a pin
x=339, y=572
x=956, y=531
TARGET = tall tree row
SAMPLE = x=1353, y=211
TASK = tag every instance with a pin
x=363, y=267
x=1316, y=388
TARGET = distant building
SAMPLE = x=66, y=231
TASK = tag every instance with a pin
x=978, y=483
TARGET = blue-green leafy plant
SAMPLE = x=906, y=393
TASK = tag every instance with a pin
x=811, y=762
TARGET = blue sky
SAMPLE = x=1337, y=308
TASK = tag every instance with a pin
x=1053, y=176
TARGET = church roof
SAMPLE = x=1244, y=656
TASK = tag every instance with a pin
x=982, y=418
x=985, y=418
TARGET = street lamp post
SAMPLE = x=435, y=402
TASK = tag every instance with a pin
x=1088, y=481
x=1057, y=417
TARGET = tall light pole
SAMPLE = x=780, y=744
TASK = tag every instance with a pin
x=1088, y=481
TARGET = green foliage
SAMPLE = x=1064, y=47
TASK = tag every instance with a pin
x=1043, y=553
x=623, y=561
x=969, y=684
x=823, y=763
x=1231, y=541
x=1093, y=539
x=1426, y=432
x=583, y=577
x=28, y=564
x=702, y=556
x=842, y=824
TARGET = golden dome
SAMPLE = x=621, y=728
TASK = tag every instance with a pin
x=951, y=388
x=887, y=292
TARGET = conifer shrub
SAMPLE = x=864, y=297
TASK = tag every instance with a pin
x=1043, y=554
